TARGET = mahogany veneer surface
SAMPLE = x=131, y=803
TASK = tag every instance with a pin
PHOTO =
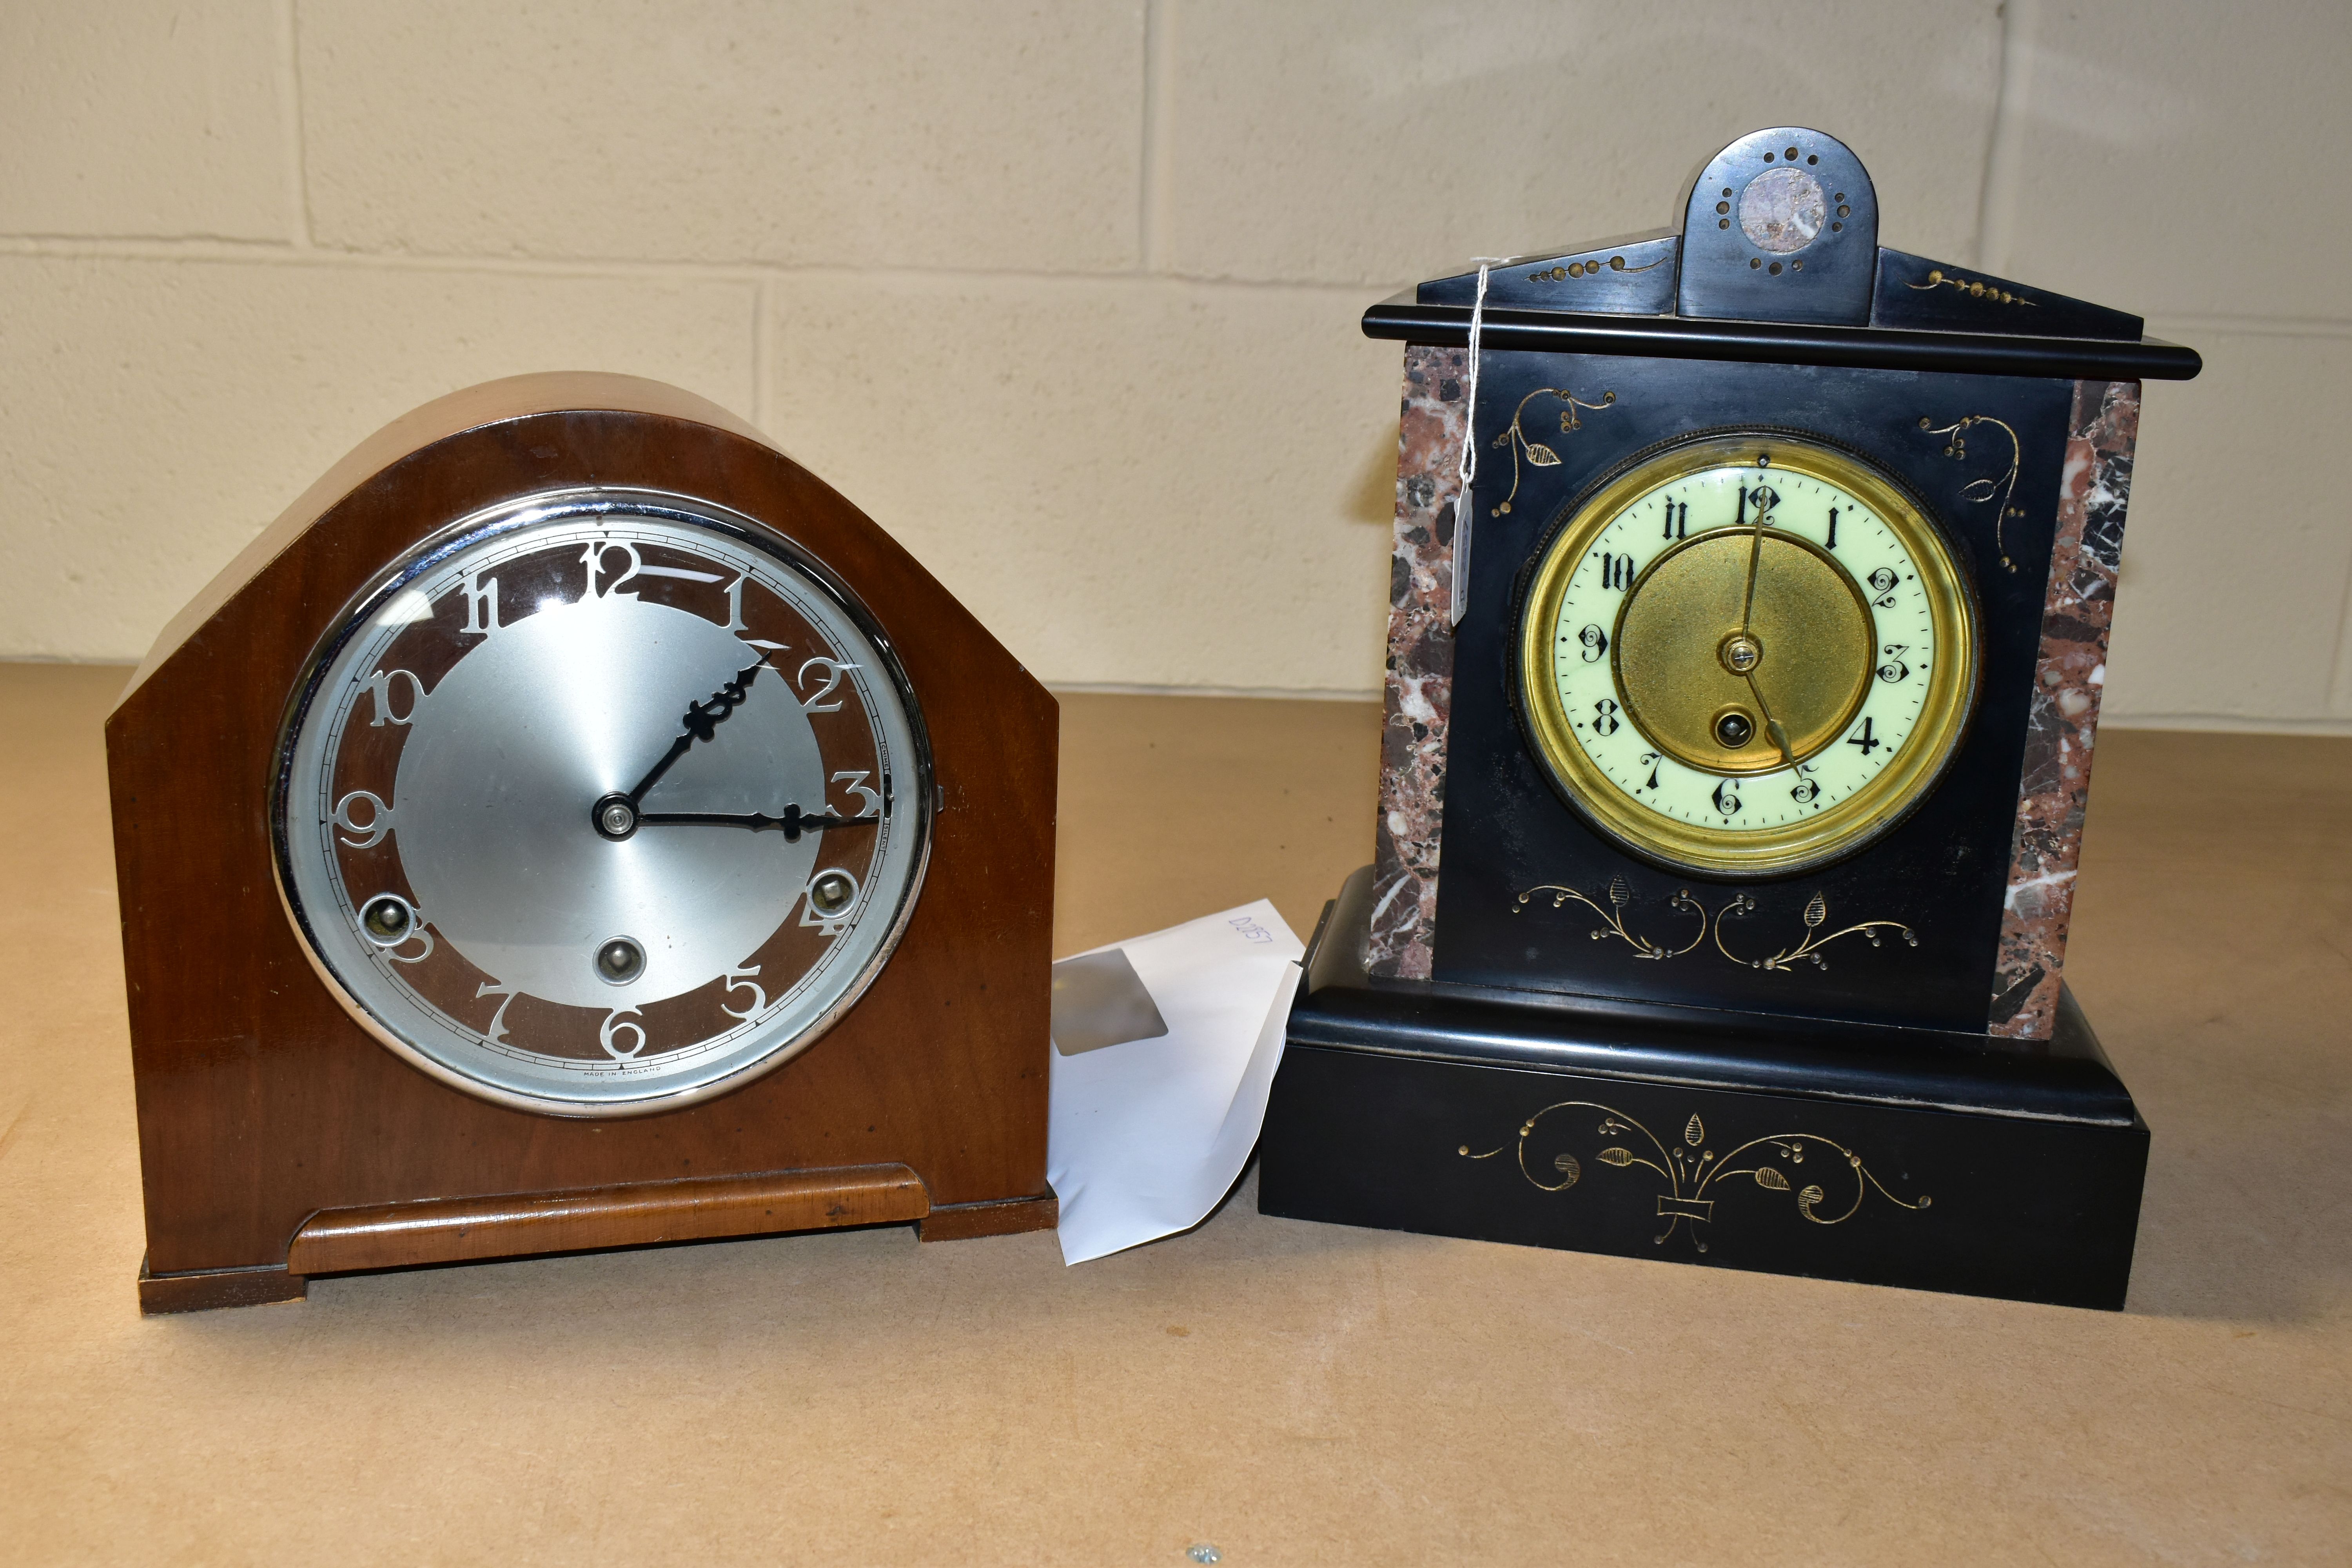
x=262, y=1103
x=1291, y=1393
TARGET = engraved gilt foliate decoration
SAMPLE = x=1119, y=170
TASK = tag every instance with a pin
x=1620, y=896
x=1587, y=269
x=1984, y=489
x=1546, y=1150
x=1806, y=949
x=1940, y=279
x=1538, y=455
x=1809, y=948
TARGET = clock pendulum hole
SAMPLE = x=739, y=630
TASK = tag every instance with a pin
x=1701, y=661
x=613, y=817
x=830, y=892
x=388, y=920
x=620, y=961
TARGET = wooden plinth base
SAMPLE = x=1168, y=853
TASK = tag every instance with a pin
x=454, y=1230
x=209, y=1288
x=963, y=1222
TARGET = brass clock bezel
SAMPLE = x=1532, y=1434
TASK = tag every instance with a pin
x=1871, y=811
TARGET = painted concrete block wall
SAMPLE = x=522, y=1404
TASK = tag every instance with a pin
x=1064, y=292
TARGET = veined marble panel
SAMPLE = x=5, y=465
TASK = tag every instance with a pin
x=1420, y=699
x=2068, y=678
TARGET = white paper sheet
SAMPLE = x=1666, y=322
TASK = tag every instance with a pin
x=1146, y=1134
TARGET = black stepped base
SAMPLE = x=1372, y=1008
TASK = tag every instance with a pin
x=1837, y=1151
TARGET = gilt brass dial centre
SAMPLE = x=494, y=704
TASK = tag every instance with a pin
x=1691, y=642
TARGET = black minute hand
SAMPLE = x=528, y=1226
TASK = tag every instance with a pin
x=794, y=821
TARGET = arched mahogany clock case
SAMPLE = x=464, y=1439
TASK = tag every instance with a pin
x=278, y=1139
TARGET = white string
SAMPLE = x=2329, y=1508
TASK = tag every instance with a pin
x=1469, y=465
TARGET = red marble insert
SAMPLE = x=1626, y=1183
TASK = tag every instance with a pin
x=1420, y=696
x=2069, y=677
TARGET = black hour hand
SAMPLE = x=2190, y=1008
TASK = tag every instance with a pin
x=701, y=723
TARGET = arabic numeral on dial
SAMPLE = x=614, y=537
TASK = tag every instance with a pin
x=1763, y=497
x=387, y=711
x=497, y=1032
x=1806, y=790
x=372, y=830
x=1894, y=669
x=1833, y=540
x=1604, y=717
x=1881, y=583
x=1677, y=520
x=740, y=980
x=592, y=558
x=482, y=605
x=1616, y=571
x=1650, y=760
x=1726, y=798
x=1596, y=643
x=1864, y=739
x=830, y=671
x=735, y=606
x=856, y=785
x=609, y=1035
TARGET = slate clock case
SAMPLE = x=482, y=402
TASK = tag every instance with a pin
x=1731, y=797
x=572, y=824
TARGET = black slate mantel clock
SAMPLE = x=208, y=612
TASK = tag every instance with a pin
x=1738, y=736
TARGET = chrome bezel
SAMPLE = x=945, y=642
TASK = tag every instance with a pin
x=555, y=506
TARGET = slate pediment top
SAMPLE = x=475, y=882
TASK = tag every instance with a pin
x=1629, y=277
x=1777, y=258
x=1931, y=296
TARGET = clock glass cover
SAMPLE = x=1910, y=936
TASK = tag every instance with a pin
x=1746, y=655
x=601, y=803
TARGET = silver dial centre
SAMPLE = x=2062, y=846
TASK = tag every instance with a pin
x=603, y=803
x=530, y=730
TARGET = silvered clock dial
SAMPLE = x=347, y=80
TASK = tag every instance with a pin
x=1747, y=655
x=603, y=803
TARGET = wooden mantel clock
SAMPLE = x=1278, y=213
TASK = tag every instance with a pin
x=573, y=826
x=1738, y=734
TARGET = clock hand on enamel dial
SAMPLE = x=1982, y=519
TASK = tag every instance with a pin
x=617, y=817
x=1771, y=725
x=1765, y=502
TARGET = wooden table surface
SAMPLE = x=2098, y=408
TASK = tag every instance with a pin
x=1289, y=1393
